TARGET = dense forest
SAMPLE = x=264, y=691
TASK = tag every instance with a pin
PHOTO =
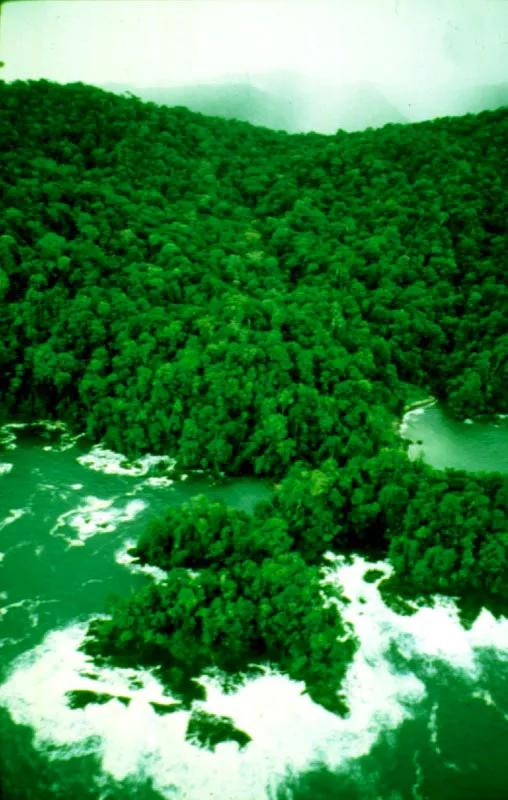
x=250, y=301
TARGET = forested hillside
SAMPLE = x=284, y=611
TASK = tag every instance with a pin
x=252, y=301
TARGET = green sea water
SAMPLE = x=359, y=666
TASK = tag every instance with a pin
x=474, y=445
x=428, y=699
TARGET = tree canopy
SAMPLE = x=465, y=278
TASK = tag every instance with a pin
x=256, y=302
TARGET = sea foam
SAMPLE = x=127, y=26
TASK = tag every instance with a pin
x=93, y=516
x=288, y=730
x=109, y=462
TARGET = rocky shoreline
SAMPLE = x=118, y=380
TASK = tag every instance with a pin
x=420, y=404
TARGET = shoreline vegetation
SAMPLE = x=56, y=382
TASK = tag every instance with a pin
x=428, y=401
x=259, y=303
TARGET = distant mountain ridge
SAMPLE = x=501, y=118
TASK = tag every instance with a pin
x=327, y=106
x=291, y=101
x=281, y=101
x=241, y=101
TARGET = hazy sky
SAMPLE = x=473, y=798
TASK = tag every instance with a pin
x=419, y=43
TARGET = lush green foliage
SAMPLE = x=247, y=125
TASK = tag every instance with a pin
x=81, y=698
x=271, y=610
x=204, y=534
x=208, y=730
x=454, y=533
x=250, y=301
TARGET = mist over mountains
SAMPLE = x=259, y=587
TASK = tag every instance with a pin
x=449, y=100
x=282, y=100
x=231, y=101
x=294, y=102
